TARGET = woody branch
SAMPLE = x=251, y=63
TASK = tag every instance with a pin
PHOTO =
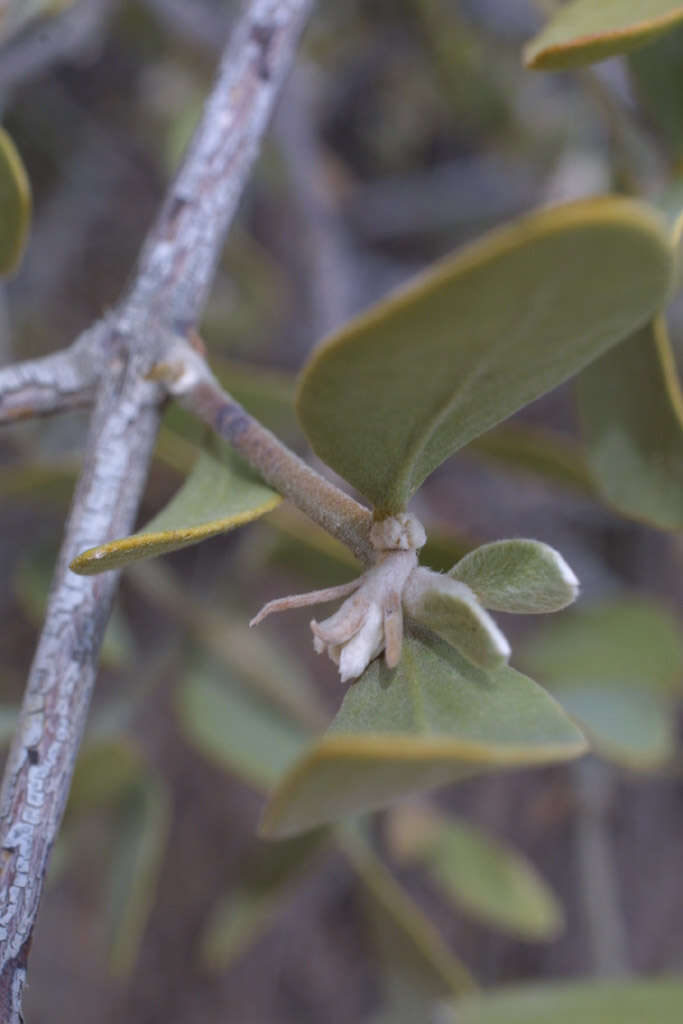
x=111, y=363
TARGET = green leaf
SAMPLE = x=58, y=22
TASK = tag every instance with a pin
x=236, y=728
x=221, y=493
x=417, y=964
x=451, y=610
x=624, y=642
x=523, y=576
x=629, y=727
x=262, y=887
x=15, y=205
x=631, y=410
x=399, y=389
x=628, y=1002
x=617, y=667
x=546, y=453
x=434, y=719
x=489, y=879
x=585, y=31
x=137, y=854
x=658, y=73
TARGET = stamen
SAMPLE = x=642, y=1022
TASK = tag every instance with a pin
x=393, y=629
x=283, y=604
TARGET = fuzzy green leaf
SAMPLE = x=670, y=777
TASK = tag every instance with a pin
x=585, y=31
x=524, y=576
x=629, y=1002
x=220, y=493
x=489, y=880
x=631, y=410
x=399, y=389
x=451, y=610
x=617, y=667
x=434, y=719
x=15, y=205
x=236, y=728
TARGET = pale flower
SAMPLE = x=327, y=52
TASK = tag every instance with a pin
x=371, y=618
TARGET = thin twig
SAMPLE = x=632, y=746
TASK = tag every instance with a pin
x=174, y=275
x=64, y=380
x=198, y=391
x=54, y=39
x=197, y=21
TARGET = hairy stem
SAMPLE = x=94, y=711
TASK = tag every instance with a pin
x=327, y=505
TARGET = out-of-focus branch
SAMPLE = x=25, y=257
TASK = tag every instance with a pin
x=173, y=277
x=327, y=257
x=54, y=39
x=195, y=21
x=183, y=247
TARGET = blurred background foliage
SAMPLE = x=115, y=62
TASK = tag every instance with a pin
x=408, y=127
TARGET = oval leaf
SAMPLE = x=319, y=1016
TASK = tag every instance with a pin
x=237, y=729
x=631, y=410
x=524, y=576
x=398, y=390
x=434, y=719
x=617, y=668
x=627, y=726
x=220, y=493
x=15, y=205
x=631, y=1002
x=627, y=642
x=451, y=610
x=489, y=880
x=586, y=31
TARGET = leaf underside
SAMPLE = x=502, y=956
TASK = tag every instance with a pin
x=585, y=31
x=491, y=881
x=15, y=205
x=434, y=719
x=399, y=389
x=220, y=493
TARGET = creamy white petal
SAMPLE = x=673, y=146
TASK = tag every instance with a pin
x=368, y=642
